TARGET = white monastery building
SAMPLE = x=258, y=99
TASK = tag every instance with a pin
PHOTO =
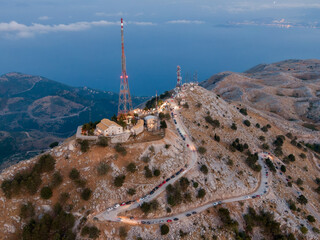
x=108, y=128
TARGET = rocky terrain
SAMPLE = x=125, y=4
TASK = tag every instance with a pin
x=287, y=90
x=35, y=111
x=225, y=133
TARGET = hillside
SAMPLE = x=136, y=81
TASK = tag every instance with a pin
x=218, y=168
x=288, y=90
x=35, y=111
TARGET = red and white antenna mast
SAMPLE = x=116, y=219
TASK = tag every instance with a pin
x=179, y=78
x=125, y=103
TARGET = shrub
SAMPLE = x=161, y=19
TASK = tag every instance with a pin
x=167, y=146
x=57, y=179
x=80, y=182
x=303, y=156
x=234, y=126
x=184, y=183
x=302, y=199
x=247, y=123
x=163, y=124
x=147, y=172
x=265, y=146
x=84, y=145
x=204, y=169
x=262, y=138
x=164, y=229
x=278, y=151
x=198, y=105
x=45, y=163
x=131, y=191
x=195, y=184
x=257, y=125
x=202, y=150
x=120, y=149
x=145, y=159
x=156, y=172
x=283, y=168
x=311, y=218
x=270, y=165
x=304, y=230
x=186, y=105
x=174, y=196
x=243, y=111
x=63, y=198
x=251, y=161
x=264, y=129
x=86, y=194
x=92, y=232
x=74, y=174
x=216, y=138
x=201, y=193
x=214, y=123
x=103, y=168
x=27, y=210
x=46, y=192
x=119, y=180
x=54, y=144
x=292, y=205
x=299, y=181
x=291, y=158
x=123, y=232
x=315, y=230
x=131, y=167
x=103, y=141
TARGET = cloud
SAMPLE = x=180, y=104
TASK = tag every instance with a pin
x=43, y=18
x=18, y=30
x=103, y=14
x=183, y=21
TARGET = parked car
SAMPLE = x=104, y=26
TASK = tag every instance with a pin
x=116, y=205
x=168, y=179
x=122, y=204
x=129, y=202
x=176, y=219
x=194, y=212
x=169, y=220
x=188, y=214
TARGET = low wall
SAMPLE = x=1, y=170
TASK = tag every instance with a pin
x=84, y=137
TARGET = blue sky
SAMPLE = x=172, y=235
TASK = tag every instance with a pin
x=77, y=42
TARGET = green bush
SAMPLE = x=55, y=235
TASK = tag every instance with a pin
x=103, y=168
x=26, y=210
x=147, y=172
x=214, y=123
x=163, y=124
x=299, y=182
x=120, y=149
x=304, y=230
x=184, y=183
x=74, y=174
x=57, y=179
x=283, y=168
x=46, y=163
x=202, y=150
x=303, y=156
x=216, y=138
x=145, y=159
x=92, y=232
x=247, y=123
x=243, y=111
x=86, y=194
x=204, y=169
x=156, y=172
x=119, y=180
x=264, y=129
x=257, y=125
x=164, y=229
x=195, y=184
x=201, y=193
x=46, y=192
x=131, y=167
x=269, y=163
x=262, y=138
x=234, y=126
x=84, y=145
x=311, y=218
x=131, y=191
x=265, y=146
x=302, y=199
x=103, y=141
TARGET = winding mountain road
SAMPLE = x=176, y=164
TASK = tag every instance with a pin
x=111, y=214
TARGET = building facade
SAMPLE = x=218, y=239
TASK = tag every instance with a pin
x=108, y=128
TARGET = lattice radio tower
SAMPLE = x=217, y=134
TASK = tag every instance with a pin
x=125, y=103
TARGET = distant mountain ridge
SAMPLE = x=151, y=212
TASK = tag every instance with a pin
x=288, y=89
x=36, y=111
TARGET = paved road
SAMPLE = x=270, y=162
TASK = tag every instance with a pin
x=111, y=214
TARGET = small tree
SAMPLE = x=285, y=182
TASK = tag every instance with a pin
x=131, y=191
x=204, y=169
x=27, y=210
x=302, y=200
x=311, y=218
x=216, y=138
x=234, y=126
x=119, y=180
x=74, y=174
x=46, y=192
x=243, y=111
x=283, y=168
x=103, y=141
x=202, y=150
x=304, y=230
x=84, y=145
x=247, y=123
x=131, y=167
x=164, y=229
x=86, y=194
x=201, y=193
x=147, y=172
x=299, y=181
x=156, y=172
x=120, y=149
x=57, y=179
x=103, y=168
